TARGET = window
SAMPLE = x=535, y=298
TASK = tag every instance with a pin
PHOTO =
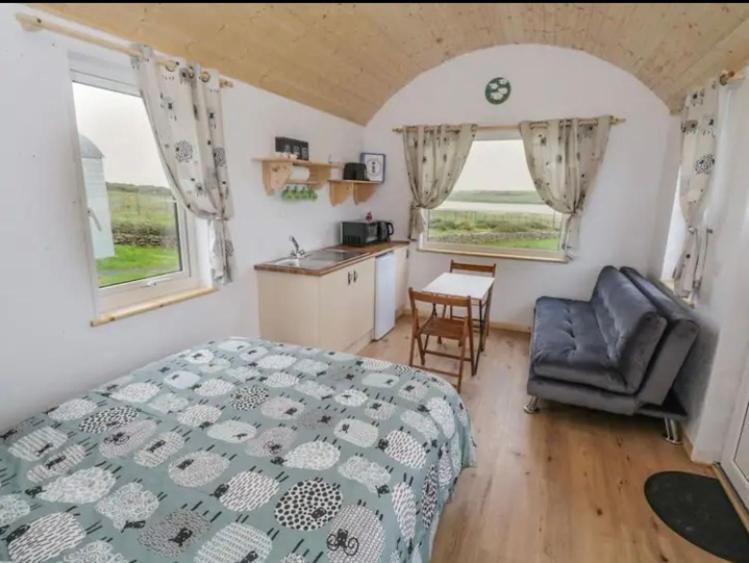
x=494, y=207
x=142, y=241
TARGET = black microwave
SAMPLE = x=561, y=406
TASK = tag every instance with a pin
x=359, y=233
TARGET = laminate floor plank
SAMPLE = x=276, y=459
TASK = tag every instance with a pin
x=563, y=485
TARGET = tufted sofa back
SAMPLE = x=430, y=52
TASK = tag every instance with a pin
x=629, y=323
x=680, y=333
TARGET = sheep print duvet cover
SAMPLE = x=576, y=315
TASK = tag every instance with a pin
x=237, y=451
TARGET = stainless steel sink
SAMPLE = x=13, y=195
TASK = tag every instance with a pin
x=319, y=259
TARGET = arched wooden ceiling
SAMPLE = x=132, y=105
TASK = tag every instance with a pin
x=348, y=59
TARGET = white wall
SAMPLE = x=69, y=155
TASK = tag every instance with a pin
x=48, y=351
x=619, y=225
x=709, y=383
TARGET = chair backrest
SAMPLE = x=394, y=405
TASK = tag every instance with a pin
x=480, y=268
x=435, y=299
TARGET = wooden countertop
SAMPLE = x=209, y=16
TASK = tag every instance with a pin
x=367, y=252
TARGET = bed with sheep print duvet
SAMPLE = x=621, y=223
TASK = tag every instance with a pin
x=237, y=451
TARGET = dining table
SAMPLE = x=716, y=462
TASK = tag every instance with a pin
x=478, y=288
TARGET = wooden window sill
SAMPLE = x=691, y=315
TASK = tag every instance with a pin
x=559, y=259
x=129, y=311
x=670, y=285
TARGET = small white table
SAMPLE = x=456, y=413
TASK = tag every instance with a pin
x=478, y=288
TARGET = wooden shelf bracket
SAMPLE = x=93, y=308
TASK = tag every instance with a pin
x=361, y=191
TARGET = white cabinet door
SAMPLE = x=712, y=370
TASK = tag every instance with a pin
x=335, y=313
x=361, y=301
x=288, y=308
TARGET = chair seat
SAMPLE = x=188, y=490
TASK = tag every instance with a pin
x=568, y=346
x=443, y=327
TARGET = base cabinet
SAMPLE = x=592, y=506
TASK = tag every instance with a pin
x=334, y=311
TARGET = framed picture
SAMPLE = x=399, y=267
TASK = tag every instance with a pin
x=375, y=163
x=293, y=146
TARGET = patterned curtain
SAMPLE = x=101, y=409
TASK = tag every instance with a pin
x=434, y=158
x=699, y=127
x=184, y=108
x=563, y=156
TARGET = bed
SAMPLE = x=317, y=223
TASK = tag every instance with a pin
x=238, y=451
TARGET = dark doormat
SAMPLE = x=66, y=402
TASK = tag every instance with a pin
x=696, y=508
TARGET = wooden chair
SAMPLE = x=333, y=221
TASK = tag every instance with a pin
x=481, y=268
x=483, y=308
x=458, y=329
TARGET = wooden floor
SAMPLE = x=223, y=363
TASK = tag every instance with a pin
x=563, y=485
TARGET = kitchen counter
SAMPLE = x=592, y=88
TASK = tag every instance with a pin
x=366, y=252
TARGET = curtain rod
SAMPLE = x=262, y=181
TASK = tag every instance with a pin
x=614, y=121
x=34, y=23
x=728, y=76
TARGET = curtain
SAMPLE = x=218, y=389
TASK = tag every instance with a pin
x=563, y=157
x=184, y=108
x=699, y=126
x=435, y=155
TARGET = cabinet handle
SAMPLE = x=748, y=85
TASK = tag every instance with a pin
x=349, y=277
x=356, y=276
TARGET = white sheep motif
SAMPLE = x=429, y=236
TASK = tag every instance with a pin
x=357, y=432
x=129, y=506
x=12, y=507
x=159, y=449
x=97, y=551
x=38, y=444
x=81, y=487
x=372, y=475
x=246, y=491
x=316, y=455
x=236, y=542
x=45, y=538
x=72, y=410
x=57, y=463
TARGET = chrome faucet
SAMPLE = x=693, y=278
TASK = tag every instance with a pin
x=297, y=252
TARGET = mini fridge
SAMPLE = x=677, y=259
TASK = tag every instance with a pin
x=384, y=317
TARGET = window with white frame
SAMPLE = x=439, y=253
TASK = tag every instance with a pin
x=494, y=207
x=143, y=243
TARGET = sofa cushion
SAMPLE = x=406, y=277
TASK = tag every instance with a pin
x=629, y=324
x=581, y=395
x=567, y=345
x=677, y=340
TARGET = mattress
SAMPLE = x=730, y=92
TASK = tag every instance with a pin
x=236, y=451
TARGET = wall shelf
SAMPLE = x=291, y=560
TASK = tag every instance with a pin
x=277, y=173
x=361, y=190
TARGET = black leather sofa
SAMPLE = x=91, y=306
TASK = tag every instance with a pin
x=619, y=352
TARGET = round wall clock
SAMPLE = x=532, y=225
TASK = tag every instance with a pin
x=497, y=90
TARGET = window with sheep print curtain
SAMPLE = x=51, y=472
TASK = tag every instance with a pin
x=435, y=155
x=699, y=129
x=563, y=157
x=184, y=107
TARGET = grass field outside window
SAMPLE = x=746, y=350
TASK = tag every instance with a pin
x=144, y=228
x=494, y=205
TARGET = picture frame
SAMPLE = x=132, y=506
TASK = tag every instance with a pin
x=293, y=146
x=375, y=164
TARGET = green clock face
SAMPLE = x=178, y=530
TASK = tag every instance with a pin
x=497, y=90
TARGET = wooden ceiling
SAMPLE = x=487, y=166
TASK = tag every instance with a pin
x=348, y=59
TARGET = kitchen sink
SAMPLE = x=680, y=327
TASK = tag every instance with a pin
x=318, y=259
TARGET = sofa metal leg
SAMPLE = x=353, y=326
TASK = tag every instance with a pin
x=673, y=435
x=531, y=406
